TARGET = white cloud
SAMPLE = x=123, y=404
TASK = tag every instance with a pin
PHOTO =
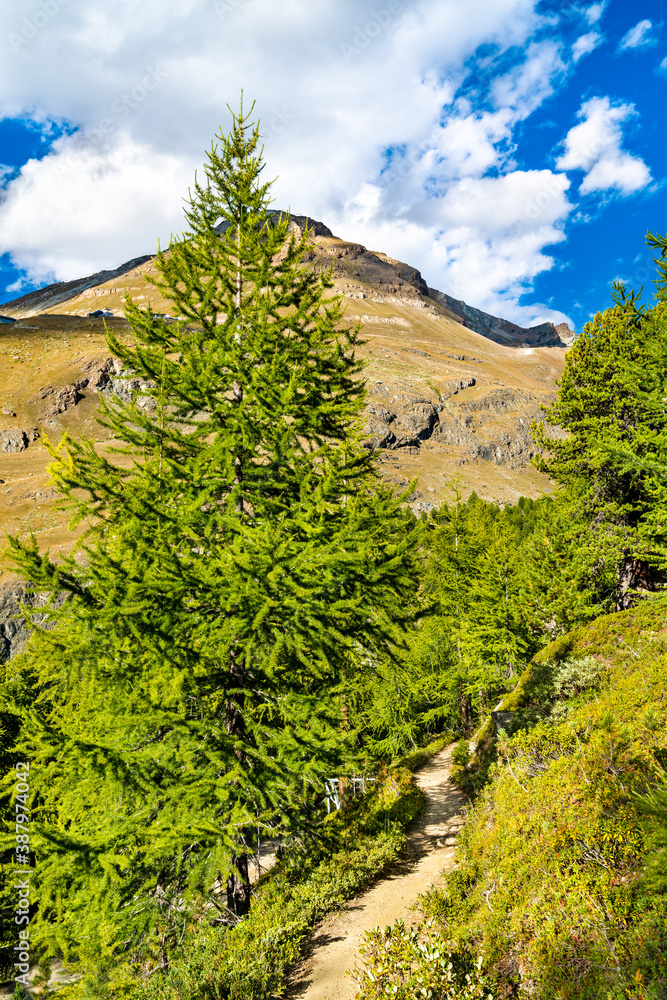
x=663, y=65
x=638, y=36
x=595, y=12
x=486, y=237
x=585, y=44
x=625, y=173
x=60, y=218
x=594, y=146
x=531, y=82
x=468, y=144
x=337, y=84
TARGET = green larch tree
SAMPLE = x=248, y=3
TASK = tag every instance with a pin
x=495, y=641
x=241, y=558
x=611, y=402
x=561, y=584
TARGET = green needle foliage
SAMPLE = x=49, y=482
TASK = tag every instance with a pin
x=611, y=402
x=559, y=586
x=241, y=567
x=475, y=638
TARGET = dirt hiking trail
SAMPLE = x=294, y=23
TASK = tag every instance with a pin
x=430, y=850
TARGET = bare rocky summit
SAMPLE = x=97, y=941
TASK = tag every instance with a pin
x=501, y=330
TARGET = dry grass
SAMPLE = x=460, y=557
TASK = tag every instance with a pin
x=409, y=350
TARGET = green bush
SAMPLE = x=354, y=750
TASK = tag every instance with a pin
x=410, y=963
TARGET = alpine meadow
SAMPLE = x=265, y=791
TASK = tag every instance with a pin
x=256, y=641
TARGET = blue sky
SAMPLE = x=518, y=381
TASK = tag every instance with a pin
x=513, y=150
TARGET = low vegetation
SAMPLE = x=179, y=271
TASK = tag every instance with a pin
x=249, y=960
x=558, y=889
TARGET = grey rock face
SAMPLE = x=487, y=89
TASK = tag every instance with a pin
x=62, y=399
x=13, y=630
x=134, y=389
x=502, y=331
x=17, y=439
x=455, y=386
x=414, y=423
x=399, y=420
x=100, y=372
x=402, y=422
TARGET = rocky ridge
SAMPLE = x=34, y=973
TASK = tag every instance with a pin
x=443, y=399
x=386, y=276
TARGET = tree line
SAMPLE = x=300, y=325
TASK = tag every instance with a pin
x=251, y=610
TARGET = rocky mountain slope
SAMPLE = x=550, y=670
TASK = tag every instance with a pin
x=445, y=399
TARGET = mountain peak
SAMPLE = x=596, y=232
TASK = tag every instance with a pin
x=367, y=273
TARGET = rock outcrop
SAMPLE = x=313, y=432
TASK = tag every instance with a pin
x=17, y=439
x=403, y=423
x=13, y=629
x=100, y=372
x=59, y=400
x=399, y=420
x=134, y=389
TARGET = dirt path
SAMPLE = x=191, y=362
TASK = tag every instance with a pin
x=430, y=851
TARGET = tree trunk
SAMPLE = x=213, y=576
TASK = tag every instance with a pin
x=466, y=711
x=631, y=574
x=238, y=883
x=238, y=886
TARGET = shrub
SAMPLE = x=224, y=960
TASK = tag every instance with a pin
x=407, y=963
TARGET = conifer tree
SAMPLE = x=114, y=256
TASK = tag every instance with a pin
x=647, y=455
x=446, y=646
x=498, y=638
x=456, y=547
x=560, y=586
x=611, y=402
x=240, y=559
x=477, y=636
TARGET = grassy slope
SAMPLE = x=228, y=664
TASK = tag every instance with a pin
x=550, y=886
x=414, y=349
